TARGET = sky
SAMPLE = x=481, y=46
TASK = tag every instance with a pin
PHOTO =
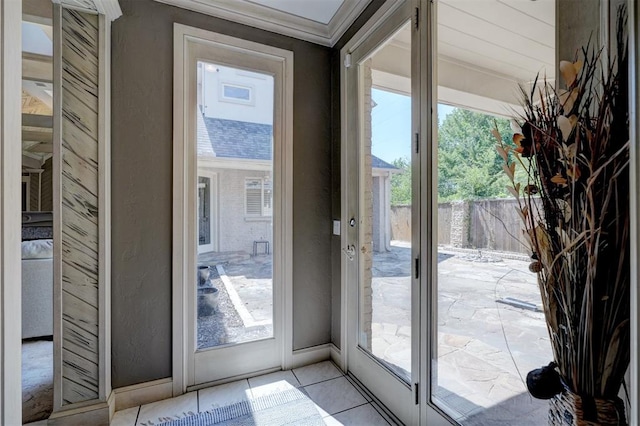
x=391, y=128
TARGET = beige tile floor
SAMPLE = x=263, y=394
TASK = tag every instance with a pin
x=336, y=398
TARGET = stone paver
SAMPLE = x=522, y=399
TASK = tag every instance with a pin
x=485, y=348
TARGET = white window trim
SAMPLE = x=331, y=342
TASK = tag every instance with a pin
x=262, y=214
x=230, y=99
x=185, y=36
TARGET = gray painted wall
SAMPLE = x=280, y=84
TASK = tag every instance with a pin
x=142, y=116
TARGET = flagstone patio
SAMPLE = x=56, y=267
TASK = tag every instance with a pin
x=485, y=347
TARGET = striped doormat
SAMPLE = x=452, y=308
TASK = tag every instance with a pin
x=291, y=407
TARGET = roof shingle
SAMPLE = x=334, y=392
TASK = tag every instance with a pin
x=236, y=139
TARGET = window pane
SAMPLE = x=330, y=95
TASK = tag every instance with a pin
x=490, y=329
x=385, y=285
x=235, y=92
x=235, y=147
x=254, y=202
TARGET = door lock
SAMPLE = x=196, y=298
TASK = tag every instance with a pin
x=352, y=222
x=350, y=251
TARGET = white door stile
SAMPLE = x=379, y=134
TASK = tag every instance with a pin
x=196, y=367
x=10, y=190
x=397, y=395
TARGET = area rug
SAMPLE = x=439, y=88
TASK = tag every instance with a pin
x=291, y=407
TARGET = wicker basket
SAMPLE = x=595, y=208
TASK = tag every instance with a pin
x=570, y=409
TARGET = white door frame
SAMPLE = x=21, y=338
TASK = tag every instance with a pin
x=397, y=395
x=386, y=10
x=213, y=212
x=188, y=40
x=10, y=222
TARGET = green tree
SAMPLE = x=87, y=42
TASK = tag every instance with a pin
x=468, y=164
x=401, y=183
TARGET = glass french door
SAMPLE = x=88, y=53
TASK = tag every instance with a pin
x=235, y=239
x=487, y=329
x=383, y=242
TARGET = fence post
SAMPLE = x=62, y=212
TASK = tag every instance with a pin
x=459, y=223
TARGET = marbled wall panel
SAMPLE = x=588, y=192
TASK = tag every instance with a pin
x=79, y=340
x=72, y=391
x=74, y=135
x=79, y=213
x=87, y=371
x=80, y=313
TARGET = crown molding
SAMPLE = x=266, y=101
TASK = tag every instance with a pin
x=109, y=8
x=259, y=16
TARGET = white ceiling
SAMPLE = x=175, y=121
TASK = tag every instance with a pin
x=486, y=48
x=321, y=11
x=318, y=21
x=512, y=37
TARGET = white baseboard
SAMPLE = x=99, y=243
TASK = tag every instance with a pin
x=311, y=355
x=157, y=390
x=336, y=357
x=143, y=393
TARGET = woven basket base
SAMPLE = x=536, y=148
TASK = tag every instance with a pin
x=570, y=409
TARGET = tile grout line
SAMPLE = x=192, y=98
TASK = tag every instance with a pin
x=137, y=415
x=321, y=381
x=294, y=375
x=347, y=409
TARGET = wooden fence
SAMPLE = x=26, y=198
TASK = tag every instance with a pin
x=496, y=225
x=492, y=224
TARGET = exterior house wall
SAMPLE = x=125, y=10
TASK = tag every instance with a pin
x=375, y=221
x=237, y=232
x=259, y=109
x=368, y=213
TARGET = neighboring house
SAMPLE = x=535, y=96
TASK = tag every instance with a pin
x=235, y=194
x=235, y=163
x=381, y=172
x=234, y=184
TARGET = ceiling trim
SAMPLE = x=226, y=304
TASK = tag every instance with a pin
x=109, y=8
x=259, y=16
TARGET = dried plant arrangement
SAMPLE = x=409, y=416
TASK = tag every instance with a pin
x=574, y=149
